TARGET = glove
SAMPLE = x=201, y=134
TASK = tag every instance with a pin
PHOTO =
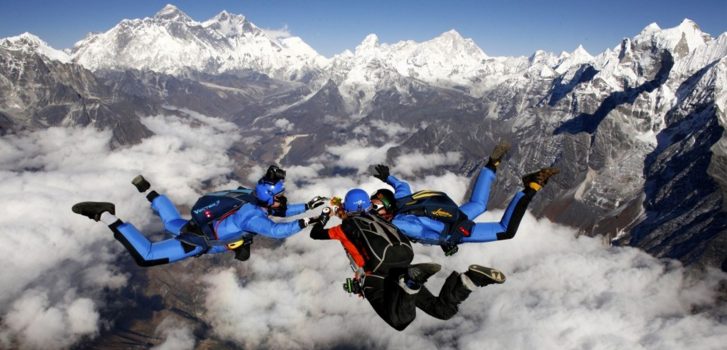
x=381, y=172
x=316, y=202
x=320, y=219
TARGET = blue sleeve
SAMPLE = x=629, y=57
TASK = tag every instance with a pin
x=401, y=188
x=295, y=209
x=261, y=225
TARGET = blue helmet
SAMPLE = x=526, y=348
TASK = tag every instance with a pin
x=266, y=191
x=356, y=201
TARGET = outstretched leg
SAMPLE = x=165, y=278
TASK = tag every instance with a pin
x=446, y=305
x=144, y=252
x=161, y=205
x=455, y=290
x=481, y=190
x=510, y=222
x=480, y=194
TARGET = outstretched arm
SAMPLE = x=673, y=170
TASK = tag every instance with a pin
x=279, y=230
x=401, y=188
x=295, y=209
x=315, y=202
x=318, y=232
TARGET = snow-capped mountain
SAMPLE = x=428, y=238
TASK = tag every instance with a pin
x=173, y=43
x=29, y=43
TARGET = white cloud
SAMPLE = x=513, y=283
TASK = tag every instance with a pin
x=410, y=163
x=284, y=124
x=39, y=325
x=57, y=265
x=563, y=291
x=177, y=335
x=391, y=129
x=358, y=155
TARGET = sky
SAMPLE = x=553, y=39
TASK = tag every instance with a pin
x=499, y=27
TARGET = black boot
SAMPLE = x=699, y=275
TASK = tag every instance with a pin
x=418, y=274
x=497, y=154
x=93, y=210
x=482, y=276
x=141, y=184
x=538, y=179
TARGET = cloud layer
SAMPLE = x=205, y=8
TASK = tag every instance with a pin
x=563, y=291
x=57, y=265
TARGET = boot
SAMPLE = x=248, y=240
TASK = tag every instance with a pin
x=418, y=274
x=482, y=276
x=538, y=179
x=141, y=184
x=497, y=154
x=93, y=210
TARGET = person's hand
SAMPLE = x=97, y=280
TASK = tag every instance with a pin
x=320, y=219
x=381, y=172
x=316, y=202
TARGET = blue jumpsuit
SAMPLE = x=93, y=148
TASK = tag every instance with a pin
x=430, y=231
x=250, y=218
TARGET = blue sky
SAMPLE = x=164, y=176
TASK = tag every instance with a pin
x=499, y=27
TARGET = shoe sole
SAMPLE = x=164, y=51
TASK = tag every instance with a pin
x=500, y=150
x=426, y=269
x=79, y=208
x=540, y=177
x=495, y=275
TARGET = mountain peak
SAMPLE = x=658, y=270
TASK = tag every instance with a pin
x=652, y=27
x=581, y=51
x=230, y=24
x=452, y=34
x=171, y=12
x=28, y=42
x=226, y=16
x=684, y=37
x=26, y=38
x=370, y=42
x=688, y=24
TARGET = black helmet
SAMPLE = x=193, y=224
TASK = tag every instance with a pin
x=273, y=175
x=387, y=198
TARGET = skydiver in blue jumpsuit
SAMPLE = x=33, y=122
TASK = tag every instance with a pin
x=251, y=218
x=427, y=230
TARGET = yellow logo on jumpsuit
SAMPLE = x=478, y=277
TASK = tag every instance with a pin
x=442, y=213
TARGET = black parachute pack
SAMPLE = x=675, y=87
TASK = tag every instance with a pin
x=382, y=245
x=216, y=206
x=438, y=206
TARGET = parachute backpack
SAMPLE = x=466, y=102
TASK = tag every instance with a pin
x=384, y=247
x=438, y=206
x=215, y=207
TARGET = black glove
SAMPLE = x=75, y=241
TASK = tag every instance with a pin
x=381, y=172
x=316, y=202
x=320, y=219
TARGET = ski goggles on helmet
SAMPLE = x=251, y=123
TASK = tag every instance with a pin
x=385, y=202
